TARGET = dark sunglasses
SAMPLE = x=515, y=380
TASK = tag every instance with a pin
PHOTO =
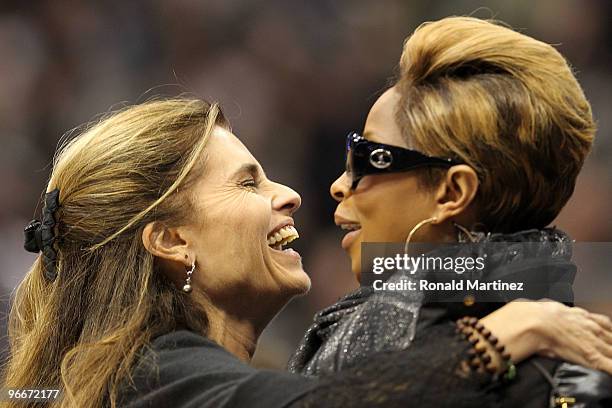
x=364, y=157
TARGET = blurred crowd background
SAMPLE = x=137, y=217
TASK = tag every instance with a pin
x=292, y=76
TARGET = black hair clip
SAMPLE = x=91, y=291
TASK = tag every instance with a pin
x=40, y=235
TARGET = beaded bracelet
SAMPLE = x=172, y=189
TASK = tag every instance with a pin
x=479, y=357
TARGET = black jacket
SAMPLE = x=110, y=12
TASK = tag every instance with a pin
x=367, y=322
x=182, y=369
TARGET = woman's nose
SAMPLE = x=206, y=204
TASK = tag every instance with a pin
x=286, y=199
x=340, y=188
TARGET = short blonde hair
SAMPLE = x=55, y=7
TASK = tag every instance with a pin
x=504, y=103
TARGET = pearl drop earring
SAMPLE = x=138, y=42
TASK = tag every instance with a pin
x=187, y=287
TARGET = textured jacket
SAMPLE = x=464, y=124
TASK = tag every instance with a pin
x=367, y=322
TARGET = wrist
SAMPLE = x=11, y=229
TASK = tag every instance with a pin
x=538, y=328
x=519, y=327
x=487, y=354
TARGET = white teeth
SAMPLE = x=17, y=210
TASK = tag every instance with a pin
x=350, y=227
x=283, y=236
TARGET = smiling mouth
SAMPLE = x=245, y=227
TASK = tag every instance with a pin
x=350, y=226
x=282, y=237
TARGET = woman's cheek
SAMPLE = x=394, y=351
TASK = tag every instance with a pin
x=370, y=214
x=252, y=229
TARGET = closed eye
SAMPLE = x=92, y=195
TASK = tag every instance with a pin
x=250, y=183
x=249, y=175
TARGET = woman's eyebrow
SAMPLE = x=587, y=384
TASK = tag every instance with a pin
x=247, y=168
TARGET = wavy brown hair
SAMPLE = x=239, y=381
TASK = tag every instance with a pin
x=83, y=332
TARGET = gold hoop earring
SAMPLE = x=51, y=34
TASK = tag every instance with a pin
x=415, y=229
x=187, y=287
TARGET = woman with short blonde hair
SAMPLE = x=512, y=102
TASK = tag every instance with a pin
x=480, y=140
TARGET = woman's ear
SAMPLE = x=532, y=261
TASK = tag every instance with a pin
x=165, y=242
x=456, y=193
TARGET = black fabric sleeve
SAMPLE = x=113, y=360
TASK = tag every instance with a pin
x=187, y=370
x=183, y=369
